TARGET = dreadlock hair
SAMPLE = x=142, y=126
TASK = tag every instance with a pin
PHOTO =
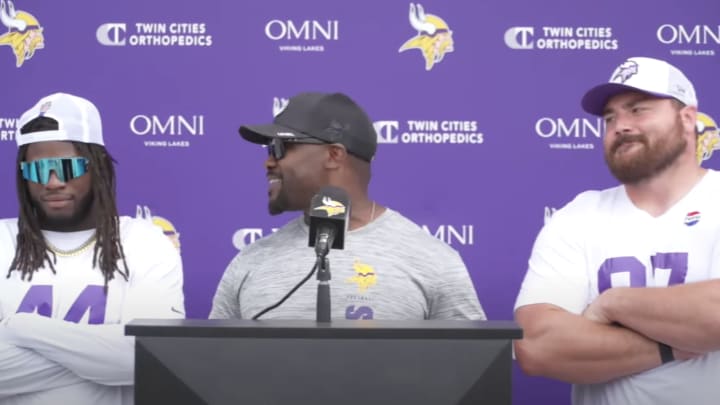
x=32, y=251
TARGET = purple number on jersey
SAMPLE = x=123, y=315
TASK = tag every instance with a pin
x=38, y=299
x=676, y=262
x=92, y=299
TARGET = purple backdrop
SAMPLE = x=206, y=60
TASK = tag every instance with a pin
x=174, y=79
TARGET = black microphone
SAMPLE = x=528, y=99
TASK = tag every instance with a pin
x=329, y=213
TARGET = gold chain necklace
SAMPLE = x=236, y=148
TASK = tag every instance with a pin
x=72, y=252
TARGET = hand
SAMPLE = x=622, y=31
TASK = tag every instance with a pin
x=681, y=355
x=595, y=311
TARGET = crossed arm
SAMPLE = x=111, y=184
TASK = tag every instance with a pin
x=24, y=371
x=684, y=316
x=618, y=334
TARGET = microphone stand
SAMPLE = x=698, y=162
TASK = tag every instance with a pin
x=322, y=247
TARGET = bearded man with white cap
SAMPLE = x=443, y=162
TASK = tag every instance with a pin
x=621, y=296
x=75, y=272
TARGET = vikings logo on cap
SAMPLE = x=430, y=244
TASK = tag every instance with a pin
x=279, y=104
x=45, y=107
x=434, y=37
x=625, y=71
x=331, y=207
x=24, y=33
x=708, y=136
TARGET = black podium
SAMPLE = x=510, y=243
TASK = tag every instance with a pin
x=340, y=363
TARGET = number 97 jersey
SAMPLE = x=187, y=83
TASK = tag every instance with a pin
x=601, y=240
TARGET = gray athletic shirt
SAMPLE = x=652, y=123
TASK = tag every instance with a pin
x=390, y=269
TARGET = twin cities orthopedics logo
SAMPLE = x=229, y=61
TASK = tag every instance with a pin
x=176, y=34
x=690, y=40
x=302, y=35
x=416, y=131
x=554, y=38
x=8, y=127
x=570, y=133
x=172, y=130
x=429, y=132
x=24, y=32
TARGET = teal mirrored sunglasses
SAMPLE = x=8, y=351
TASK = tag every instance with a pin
x=66, y=169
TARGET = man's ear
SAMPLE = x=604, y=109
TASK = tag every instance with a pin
x=688, y=115
x=337, y=155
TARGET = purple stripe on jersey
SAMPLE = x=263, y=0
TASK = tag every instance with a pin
x=92, y=299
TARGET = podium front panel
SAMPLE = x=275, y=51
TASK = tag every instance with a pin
x=322, y=371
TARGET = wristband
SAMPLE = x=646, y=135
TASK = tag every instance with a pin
x=666, y=353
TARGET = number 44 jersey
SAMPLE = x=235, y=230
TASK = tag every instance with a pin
x=601, y=240
x=61, y=335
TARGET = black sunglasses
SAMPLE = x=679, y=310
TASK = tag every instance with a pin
x=277, y=149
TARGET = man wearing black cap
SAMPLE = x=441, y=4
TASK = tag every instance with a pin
x=586, y=313
x=389, y=269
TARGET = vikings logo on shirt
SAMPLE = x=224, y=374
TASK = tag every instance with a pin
x=625, y=72
x=24, y=33
x=434, y=38
x=708, y=136
x=364, y=276
x=331, y=207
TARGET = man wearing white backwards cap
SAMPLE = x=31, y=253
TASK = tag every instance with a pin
x=73, y=272
x=621, y=296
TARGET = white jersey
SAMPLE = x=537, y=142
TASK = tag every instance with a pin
x=62, y=338
x=601, y=240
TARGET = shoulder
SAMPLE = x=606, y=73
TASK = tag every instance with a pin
x=280, y=242
x=8, y=228
x=288, y=235
x=8, y=237
x=413, y=236
x=138, y=234
x=713, y=179
x=588, y=204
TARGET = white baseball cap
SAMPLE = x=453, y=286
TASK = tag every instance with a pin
x=653, y=76
x=78, y=120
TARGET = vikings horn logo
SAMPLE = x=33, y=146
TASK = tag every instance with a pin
x=143, y=212
x=331, y=206
x=624, y=72
x=434, y=38
x=279, y=104
x=708, y=137
x=24, y=32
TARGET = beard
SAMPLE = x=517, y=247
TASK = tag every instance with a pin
x=278, y=205
x=651, y=159
x=69, y=222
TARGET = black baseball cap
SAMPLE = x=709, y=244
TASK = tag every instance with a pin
x=332, y=118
